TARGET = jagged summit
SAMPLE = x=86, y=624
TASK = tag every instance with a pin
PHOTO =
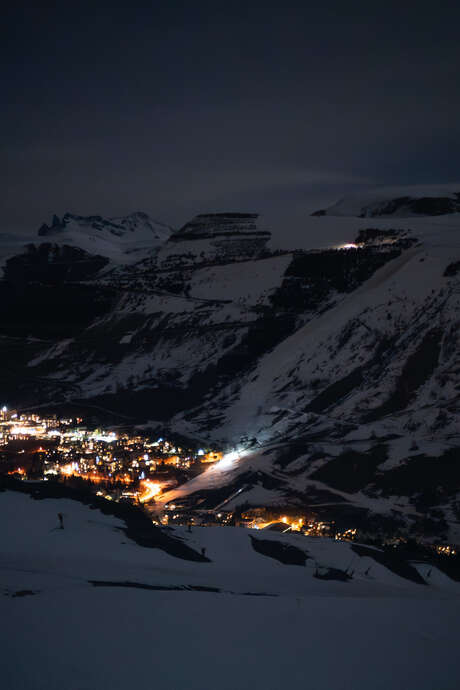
x=398, y=202
x=138, y=222
x=120, y=239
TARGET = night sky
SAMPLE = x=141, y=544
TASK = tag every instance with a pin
x=192, y=107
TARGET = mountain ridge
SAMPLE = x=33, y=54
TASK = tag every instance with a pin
x=121, y=239
x=398, y=202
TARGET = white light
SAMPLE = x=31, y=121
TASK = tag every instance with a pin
x=4, y=408
x=228, y=460
x=347, y=246
x=106, y=438
x=201, y=451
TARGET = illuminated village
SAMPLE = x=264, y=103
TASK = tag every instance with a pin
x=118, y=466
x=136, y=468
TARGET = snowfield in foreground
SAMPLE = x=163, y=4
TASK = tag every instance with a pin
x=74, y=616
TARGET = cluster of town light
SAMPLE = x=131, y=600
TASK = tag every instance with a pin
x=445, y=550
x=294, y=524
x=126, y=464
x=150, y=490
x=346, y=535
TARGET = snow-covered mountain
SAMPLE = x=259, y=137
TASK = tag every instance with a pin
x=112, y=601
x=333, y=373
x=399, y=202
x=119, y=239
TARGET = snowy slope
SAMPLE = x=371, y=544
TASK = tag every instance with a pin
x=409, y=292
x=250, y=282
x=91, y=544
x=400, y=202
x=59, y=630
x=374, y=380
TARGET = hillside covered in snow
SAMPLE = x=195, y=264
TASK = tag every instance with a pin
x=110, y=601
x=333, y=374
x=399, y=202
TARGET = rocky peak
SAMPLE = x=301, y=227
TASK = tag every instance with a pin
x=137, y=225
x=56, y=226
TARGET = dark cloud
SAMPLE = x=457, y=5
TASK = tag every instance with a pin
x=185, y=107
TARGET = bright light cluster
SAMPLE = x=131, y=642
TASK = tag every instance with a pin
x=228, y=460
x=150, y=490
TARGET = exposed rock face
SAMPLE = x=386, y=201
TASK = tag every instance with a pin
x=209, y=225
x=215, y=238
x=56, y=226
x=44, y=295
x=377, y=236
x=52, y=264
